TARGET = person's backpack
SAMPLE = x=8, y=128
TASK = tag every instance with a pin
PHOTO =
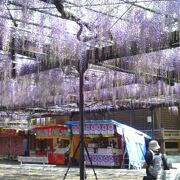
x=149, y=156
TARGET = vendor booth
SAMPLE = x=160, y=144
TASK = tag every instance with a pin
x=13, y=143
x=110, y=143
x=52, y=142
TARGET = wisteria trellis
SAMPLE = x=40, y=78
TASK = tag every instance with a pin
x=76, y=26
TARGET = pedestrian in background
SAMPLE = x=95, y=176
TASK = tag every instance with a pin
x=156, y=162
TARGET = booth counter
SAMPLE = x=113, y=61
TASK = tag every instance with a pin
x=104, y=145
x=53, y=142
x=110, y=143
x=13, y=143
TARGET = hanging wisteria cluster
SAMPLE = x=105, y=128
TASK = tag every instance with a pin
x=50, y=37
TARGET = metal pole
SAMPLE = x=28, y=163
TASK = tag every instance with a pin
x=81, y=109
x=13, y=71
x=13, y=51
x=152, y=128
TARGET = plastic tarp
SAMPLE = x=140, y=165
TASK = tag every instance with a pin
x=136, y=148
x=135, y=144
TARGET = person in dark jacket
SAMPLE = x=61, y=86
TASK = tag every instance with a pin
x=155, y=160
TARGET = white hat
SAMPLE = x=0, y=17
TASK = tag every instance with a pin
x=153, y=145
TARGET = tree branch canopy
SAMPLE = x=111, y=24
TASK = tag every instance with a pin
x=72, y=17
x=69, y=16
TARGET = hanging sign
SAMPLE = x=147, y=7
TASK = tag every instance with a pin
x=7, y=132
x=51, y=131
x=94, y=129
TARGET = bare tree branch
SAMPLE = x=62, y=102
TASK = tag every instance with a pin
x=72, y=17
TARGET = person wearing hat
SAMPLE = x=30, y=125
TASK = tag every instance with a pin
x=155, y=161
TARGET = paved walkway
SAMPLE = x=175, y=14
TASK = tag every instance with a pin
x=40, y=172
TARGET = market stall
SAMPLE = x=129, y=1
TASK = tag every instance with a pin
x=110, y=143
x=52, y=142
x=13, y=142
